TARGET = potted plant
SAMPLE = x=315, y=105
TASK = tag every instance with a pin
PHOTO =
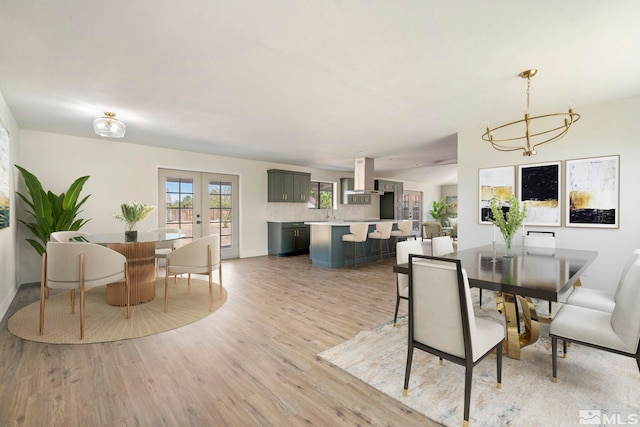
x=438, y=210
x=509, y=222
x=51, y=212
x=131, y=214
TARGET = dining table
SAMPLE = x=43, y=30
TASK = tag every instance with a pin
x=520, y=276
x=141, y=261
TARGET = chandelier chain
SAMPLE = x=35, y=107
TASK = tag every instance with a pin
x=528, y=93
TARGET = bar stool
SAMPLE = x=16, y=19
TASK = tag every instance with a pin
x=358, y=235
x=382, y=232
x=402, y=233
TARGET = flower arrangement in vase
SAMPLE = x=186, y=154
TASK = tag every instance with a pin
x=131, y=214
x=508, y=223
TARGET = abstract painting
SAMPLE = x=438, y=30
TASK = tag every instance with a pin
x=540, y=192
x=4, y=177
x=593, y=192
x=452, y=204
x=495, y=182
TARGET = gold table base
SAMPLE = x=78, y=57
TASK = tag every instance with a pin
x=515, y=340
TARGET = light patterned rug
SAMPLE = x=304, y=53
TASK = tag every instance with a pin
x=591, y=384
x=107, y=323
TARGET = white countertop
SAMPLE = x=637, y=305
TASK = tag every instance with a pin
x=340, y=222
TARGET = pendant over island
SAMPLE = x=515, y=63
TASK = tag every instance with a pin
x=328, y=250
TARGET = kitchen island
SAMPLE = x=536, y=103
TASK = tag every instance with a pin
x=327, y=248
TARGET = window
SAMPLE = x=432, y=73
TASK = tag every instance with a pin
x=320, y=195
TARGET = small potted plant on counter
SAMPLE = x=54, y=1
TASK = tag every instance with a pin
x=131, y=214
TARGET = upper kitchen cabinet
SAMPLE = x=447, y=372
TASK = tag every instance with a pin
x=398, y=192
x=386, y=186
x=288, y=186
x=347, y=184
x=394, y=187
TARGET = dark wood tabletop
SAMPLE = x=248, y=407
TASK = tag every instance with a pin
x=532, y=272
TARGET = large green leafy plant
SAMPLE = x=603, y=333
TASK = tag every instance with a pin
x=438, y=209
x=508, y=223
x=51, y=212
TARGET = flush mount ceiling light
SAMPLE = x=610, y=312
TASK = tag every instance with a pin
x=538, y=130
x=108, y=126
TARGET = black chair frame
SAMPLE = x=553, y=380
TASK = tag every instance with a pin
x=467, y=361
x=554, y=352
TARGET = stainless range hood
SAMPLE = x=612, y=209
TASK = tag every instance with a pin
x=363, y=179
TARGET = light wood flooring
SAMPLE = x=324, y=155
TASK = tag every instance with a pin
x=252, y=363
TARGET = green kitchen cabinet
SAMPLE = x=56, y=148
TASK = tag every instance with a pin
x=288, y=186
x=288, y=238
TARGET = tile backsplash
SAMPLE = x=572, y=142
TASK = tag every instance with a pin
x=300, y=212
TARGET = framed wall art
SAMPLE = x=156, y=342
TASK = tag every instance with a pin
x=539, y=188
x=495, y=182
x=4, y=177
x=592, y=192
x=452, y=204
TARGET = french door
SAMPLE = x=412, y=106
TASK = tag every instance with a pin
x=200, y=204
x=412, y=210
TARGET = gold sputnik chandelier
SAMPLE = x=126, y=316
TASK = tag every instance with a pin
x=538, y=130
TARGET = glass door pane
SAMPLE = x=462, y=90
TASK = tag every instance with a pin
x=220, y=211
x=178, y=211
x=200, y=204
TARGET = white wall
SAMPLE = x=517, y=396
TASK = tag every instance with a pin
x=124, y=172
x=8, y=278
x=604, y=129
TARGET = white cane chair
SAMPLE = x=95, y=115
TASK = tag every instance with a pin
x=66, y=236
x=201, y=256
x=80, y=266
x=164, y=247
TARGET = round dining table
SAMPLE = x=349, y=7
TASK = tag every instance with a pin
x=141, y=260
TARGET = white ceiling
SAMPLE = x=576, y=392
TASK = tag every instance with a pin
x=314, y=83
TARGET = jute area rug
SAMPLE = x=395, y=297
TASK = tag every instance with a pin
x=107, y=323
x=592, y=385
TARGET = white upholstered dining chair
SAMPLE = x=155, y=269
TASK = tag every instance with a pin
x=442, y=322
x=617, y=331
x=201, y=256
x=80, y=266
x=599, y=299
x=540, y=243
x=403, y=249
x=441, y=245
